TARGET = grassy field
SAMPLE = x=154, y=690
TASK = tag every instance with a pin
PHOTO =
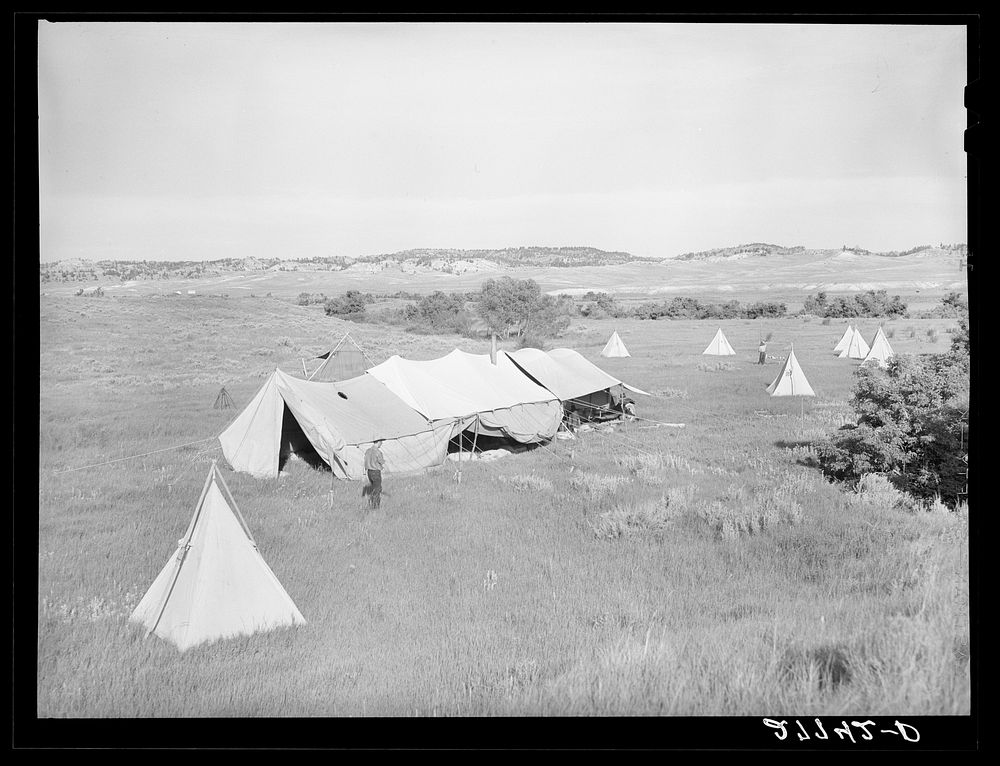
x=648, y=570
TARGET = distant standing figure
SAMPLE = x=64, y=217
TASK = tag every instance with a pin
x=374, y=463
x=762, y=352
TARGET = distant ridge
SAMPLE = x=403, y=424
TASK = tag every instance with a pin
x=421, y=259
x=741, y=251
x=442, y=260
x=761, y=249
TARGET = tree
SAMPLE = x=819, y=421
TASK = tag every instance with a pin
x=506, y=304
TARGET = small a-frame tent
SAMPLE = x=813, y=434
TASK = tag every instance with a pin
x=791, y=381
x=343, y=362
x=856, y=347
x=615, y=347
x=844, y=340
x=719, y=346
x=880, y=351
x=216, y=585
x=223, y=401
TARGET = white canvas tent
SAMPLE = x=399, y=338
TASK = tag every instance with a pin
x=565, y=372
x=719, y=345
x=332, y=423
x=856, y=347
x=880, y=351
x=791, y=381
x=578, y=383
x=343, y=362
x=615, y=347
x=468, y=389
x=216, y=585
x=844, y=340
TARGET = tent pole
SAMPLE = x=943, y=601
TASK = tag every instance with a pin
x=304, y=371
x=232, y=502
x=181, y=552
x=475, y=438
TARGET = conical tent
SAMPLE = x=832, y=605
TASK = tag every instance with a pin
x=343, y=362
x=856, y=347
x=615, y=347
x=719, y=346
x=791, y=381
x=223, y=401
x=880, y=351
x=844, y=340
x=216, y=585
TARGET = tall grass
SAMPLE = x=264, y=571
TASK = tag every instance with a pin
x=695, y=571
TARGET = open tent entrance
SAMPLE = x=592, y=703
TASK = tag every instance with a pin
x=479, y=437
x=295, y=442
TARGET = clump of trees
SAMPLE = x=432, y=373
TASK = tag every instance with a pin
x=873, y=303
x=683, y=307
x=350, y=305
x=439, y=312
x=912, y=424
x=308, y=299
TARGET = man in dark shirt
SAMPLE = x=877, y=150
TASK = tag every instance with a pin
x=374, y=463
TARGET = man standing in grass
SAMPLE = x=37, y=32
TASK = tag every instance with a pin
x=374, y=463
x=762, y=352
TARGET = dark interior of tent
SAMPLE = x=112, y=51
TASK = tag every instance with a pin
x=470, y=441
x=598, y=406
x=295, y=442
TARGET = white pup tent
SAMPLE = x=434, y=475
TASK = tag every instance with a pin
x=844, y=340
x=880, y=351
x=216, y=585
x=856, y=347
x=719, y=346
x=467, y=390
x=791, y=381
x=343, y=362
x=332, y=424
x=615, y=347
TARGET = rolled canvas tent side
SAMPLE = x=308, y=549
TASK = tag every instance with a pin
x=334, y=423
x=462, y=389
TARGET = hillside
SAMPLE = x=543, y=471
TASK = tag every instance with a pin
x=445, y=261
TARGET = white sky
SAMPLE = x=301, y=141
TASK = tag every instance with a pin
x=204, y=141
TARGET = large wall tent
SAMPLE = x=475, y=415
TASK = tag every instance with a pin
x=416, y=408
x=469, y=391
x=334, y=423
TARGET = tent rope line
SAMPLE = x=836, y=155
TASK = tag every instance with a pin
x=132, y=457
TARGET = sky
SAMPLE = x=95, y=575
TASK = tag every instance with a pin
x=200, y=141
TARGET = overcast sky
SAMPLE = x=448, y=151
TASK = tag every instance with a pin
x=204, y=141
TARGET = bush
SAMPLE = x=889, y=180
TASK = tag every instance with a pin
x=912, y=425
x=352, y=302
